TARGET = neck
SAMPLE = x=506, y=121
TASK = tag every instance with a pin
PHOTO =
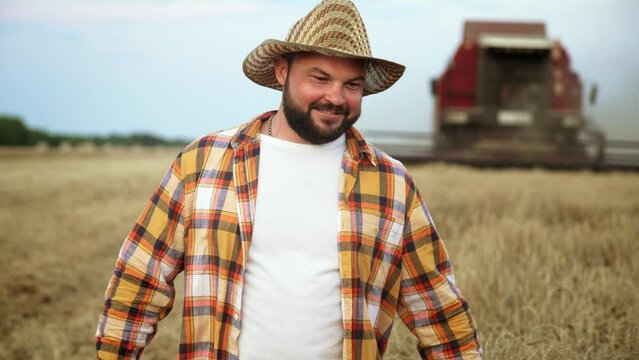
x=281, y=130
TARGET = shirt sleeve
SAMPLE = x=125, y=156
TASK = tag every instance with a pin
x=429, y=302
x=141, y=291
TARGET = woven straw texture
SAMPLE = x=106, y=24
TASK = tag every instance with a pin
x=333, y=27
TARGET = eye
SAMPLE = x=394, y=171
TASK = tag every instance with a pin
x=320, y=79
x=354, y=85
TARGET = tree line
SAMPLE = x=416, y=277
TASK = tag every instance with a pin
x=14, y=132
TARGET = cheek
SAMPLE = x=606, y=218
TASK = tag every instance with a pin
x=308, y=94
x=355, y=103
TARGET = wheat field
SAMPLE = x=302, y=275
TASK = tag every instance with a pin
x=548, y=260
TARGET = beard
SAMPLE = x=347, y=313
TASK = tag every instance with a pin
x=301, y=122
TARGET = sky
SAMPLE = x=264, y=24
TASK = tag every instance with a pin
x=173, y=68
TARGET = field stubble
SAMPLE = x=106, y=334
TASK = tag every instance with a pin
x=545, y=259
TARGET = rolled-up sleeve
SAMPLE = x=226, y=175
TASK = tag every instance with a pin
x=141, y=291
x=429, y=302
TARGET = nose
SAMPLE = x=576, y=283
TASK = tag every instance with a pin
x=335, y=95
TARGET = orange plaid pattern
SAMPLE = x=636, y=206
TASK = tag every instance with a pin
x=200, y=220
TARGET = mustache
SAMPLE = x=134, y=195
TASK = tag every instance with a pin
x=336, y=109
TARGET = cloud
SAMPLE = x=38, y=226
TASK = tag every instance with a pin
x=79, y=12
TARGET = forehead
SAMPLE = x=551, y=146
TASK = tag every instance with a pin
x=332, y=65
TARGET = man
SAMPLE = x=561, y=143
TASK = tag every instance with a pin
x=250, y=216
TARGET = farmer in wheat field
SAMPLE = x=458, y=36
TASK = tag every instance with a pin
x=298, y=239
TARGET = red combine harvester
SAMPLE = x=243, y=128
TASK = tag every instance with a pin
x=509, y=97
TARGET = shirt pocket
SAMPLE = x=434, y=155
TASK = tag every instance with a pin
x=386, y=231
x=380, y=248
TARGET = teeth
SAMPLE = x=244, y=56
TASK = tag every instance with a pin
x=328, y=111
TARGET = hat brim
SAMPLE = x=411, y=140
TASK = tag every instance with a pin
x=258, y=65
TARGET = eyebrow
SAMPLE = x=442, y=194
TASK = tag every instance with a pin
x=324, y=73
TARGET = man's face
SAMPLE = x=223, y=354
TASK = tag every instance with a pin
x=322, y=96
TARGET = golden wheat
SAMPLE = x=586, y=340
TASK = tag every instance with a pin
x=545, y=259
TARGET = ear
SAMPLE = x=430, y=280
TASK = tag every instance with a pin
x=280, y=66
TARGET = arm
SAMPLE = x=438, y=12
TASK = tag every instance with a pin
x=429, y=303
x=141, y=290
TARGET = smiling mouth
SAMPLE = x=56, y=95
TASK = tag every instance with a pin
x=330, y=118
x=330, y=113
x=331, y=110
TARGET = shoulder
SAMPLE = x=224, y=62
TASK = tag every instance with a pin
x=206, y=143
x=195, y=155
x=402, y=178
x=387, y=163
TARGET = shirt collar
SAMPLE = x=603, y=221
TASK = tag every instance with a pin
x=357, y=148
x=248, y=133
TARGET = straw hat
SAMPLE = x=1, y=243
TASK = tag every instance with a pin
x=333, y=27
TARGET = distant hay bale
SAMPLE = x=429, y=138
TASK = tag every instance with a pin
x=108, y=148
x=65, y=147
x=42, y=147
x=87, y=147
x=137, y=148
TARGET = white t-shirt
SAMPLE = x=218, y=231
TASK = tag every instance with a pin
x=291, y=300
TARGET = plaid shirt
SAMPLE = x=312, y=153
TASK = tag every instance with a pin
x=200, y=219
